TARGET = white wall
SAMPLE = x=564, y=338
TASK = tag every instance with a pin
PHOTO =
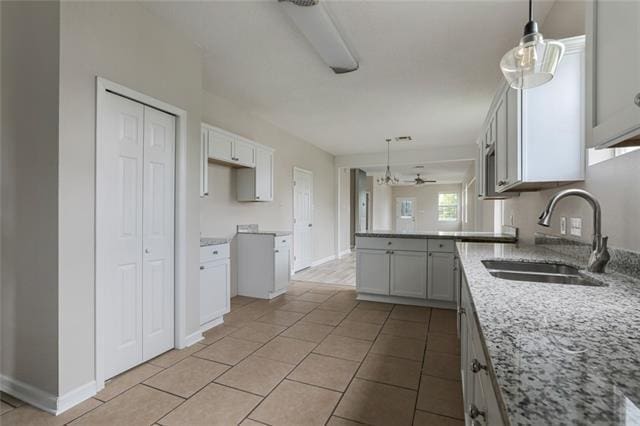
x=472, y=200
x=344, y=206
x=29, y=293
x=220, y=212
x=122, y=42
x=382, y=208
x=427, y=205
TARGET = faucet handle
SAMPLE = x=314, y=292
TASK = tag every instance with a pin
x=603, y=245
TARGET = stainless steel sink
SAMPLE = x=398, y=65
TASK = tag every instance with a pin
x=556, y=273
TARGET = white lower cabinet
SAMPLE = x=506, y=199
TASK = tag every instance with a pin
x=214, y=284
x=441, y=267
x=264, y=264
x=479, y=398
x=372, y=271
x=408, y=274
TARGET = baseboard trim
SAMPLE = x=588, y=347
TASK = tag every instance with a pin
x=76, y=396
x=192, y=339
x=209, y=325
x=323, y=260
x=344, y=253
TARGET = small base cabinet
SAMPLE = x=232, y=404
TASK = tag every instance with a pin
x=264, y=264
x=441, y=267
x=479, y=398
x=408, y=274
x=214, y=284
x=372, y=271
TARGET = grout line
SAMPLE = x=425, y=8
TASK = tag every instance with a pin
x=415, y=404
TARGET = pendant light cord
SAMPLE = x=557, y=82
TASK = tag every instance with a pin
x=530, y=10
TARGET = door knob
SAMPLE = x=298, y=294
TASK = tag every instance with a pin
x=637, y=99
x=310, y=225
x=147, y=251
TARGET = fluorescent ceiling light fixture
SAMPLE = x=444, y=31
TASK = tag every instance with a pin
x=312, y=19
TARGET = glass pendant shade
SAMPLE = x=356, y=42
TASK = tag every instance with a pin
x=533, y=62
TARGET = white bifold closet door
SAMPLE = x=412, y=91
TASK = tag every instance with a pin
x=135, y=226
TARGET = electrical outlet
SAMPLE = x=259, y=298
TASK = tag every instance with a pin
x=576, y=226
x=563, y=225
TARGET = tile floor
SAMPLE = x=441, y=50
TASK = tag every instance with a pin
x=313, y=356
x=340, y=271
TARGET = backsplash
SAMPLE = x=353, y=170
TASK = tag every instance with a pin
x=625, y=262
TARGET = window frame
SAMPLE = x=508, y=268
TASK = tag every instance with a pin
x=456, y=205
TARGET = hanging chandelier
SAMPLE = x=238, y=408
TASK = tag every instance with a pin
x=388, y=179
x=534, y=61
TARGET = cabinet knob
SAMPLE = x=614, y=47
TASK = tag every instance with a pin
x=389, y=243
x=474, y=412
x=430, y=254
x=215, y=252
x=277, y=251
x=201, y=268
x=284, y=241
x=502, y=182
x=637, y=99
x=461, y=311
x=257, y=197
x=476, y=366
x=147, y=251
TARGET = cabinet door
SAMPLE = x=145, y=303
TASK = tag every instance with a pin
x=244, y=153
x=613, y=70
x=408, y=274
x=372, y=271
x=214, y=290
x=441, y=282
x=282, y=268
x=220, y=146
x=204, y=162
x=512, y=146
x=480, y=180
x=501, y=142
x=264, y=175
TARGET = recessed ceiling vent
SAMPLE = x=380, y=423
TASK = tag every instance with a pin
x=403, y=139
x=303, y=2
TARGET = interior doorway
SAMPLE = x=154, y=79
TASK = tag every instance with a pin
x=405, y=214
x=302, y=218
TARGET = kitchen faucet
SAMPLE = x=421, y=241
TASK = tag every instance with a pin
x=599, y=254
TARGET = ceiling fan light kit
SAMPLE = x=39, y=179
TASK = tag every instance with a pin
x=534, y=61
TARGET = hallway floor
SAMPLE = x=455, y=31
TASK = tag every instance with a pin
x=312, y=356
x=338, y=271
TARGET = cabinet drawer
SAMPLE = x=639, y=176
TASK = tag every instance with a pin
x=441, y=245
x=374, y=243
x=283, y=241
x=217, y=252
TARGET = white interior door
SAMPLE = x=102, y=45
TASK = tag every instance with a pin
x=405, y=215
x=303, y=219
x=134, y=229
x=157, y=209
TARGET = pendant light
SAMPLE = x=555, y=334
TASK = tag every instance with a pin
x=534, y=61
x=387, y=179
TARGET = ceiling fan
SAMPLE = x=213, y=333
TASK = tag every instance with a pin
x=420, y=181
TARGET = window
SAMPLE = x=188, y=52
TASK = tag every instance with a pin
x=406, y=209
x=448, y=206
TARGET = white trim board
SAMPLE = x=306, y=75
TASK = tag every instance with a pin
x=181, y=340
x=323, y=260
x=45, y=400
x=344, y=253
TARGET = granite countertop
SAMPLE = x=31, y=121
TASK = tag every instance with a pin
x=212, y=241
x=458, y=235
x=274, y=233
x=561, y=354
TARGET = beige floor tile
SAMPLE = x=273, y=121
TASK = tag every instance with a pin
x=258, y=332
x=321, y=316
x=309, y=332
x=339, y=305
x=293, y=403
x=216, y=333
x=391, y=370
x=423, y=418
x=296, y=291
x=283, y=318
x=239, y=317
x=167, y=359
x=442, y=365
x=140, y=405
x=443, y=321
x=324, y=289
x=339, y=421
x=367, y=315
x=314, y=297
x=249, y=422
x=376, y=306
x=28, y=415
x=187, y=377
x=213, y=405
x=4, y=407
x=299, y=306
x=411, y=313
x=441, y=396
x=228, y=350
x=256, y=375
x=446, y=343
x=11, y=400
x=377, y=404
x=343, y=347
x=401, y=347
x=243, y=300
x=400, y=328
x=127, y=380
x=325, y=371
x=357, y=330
x=285, y=349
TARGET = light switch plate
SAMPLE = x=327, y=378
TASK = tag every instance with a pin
x=563, y=225
x=576, y=226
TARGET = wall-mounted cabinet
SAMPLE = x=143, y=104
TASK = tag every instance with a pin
x=253, y=162
x=613, y=73
x=538, y=134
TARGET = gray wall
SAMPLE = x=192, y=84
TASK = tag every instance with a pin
x=125, y=43
x=427, y=205
x=29, y=293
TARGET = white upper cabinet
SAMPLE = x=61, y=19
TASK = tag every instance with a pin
x=256, y=184
x=220, y=145
x=540, y=132
x=229, y=148
x=244, y=153
x=613, y=73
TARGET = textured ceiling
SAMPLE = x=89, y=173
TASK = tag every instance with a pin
x=427, y=68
